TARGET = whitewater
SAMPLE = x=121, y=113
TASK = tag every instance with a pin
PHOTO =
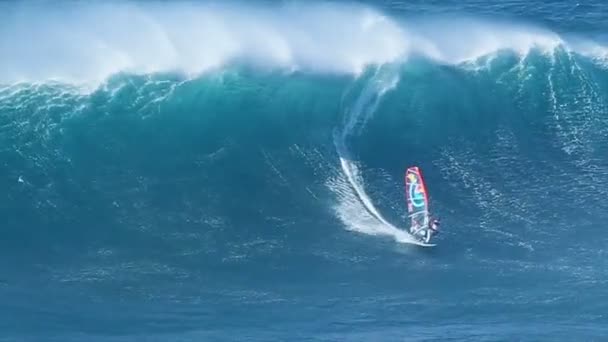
x=205, y=171
x=89, y=42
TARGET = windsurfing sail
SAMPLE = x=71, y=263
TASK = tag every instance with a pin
x=417, y=199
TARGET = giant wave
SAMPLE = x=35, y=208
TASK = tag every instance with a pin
x=337, y=79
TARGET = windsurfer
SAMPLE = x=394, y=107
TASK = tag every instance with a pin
x=427, y=232
x=434, y=226
x=422, y=226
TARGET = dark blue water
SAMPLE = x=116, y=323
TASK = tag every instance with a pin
x=205, y=172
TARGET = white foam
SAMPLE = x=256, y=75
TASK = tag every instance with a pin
x=353, y=212
x=458, y=40
x=594, y=50
x=92, y=41
x=83, y=42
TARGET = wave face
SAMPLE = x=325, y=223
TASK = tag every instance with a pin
x=188, y=172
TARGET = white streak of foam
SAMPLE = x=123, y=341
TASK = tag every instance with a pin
x=353, y=211
x=355, y=208
x=352, y=174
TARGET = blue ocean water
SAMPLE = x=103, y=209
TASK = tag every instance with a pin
x=189, y=171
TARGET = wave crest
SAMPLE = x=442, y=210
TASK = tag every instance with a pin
x=89, y=42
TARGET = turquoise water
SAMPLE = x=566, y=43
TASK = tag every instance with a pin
x=204, y=172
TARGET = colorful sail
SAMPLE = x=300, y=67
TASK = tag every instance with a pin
x=417, y=198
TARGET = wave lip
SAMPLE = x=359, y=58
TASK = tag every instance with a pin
x=456, y=41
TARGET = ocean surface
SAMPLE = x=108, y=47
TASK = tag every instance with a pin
x=191, y=171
